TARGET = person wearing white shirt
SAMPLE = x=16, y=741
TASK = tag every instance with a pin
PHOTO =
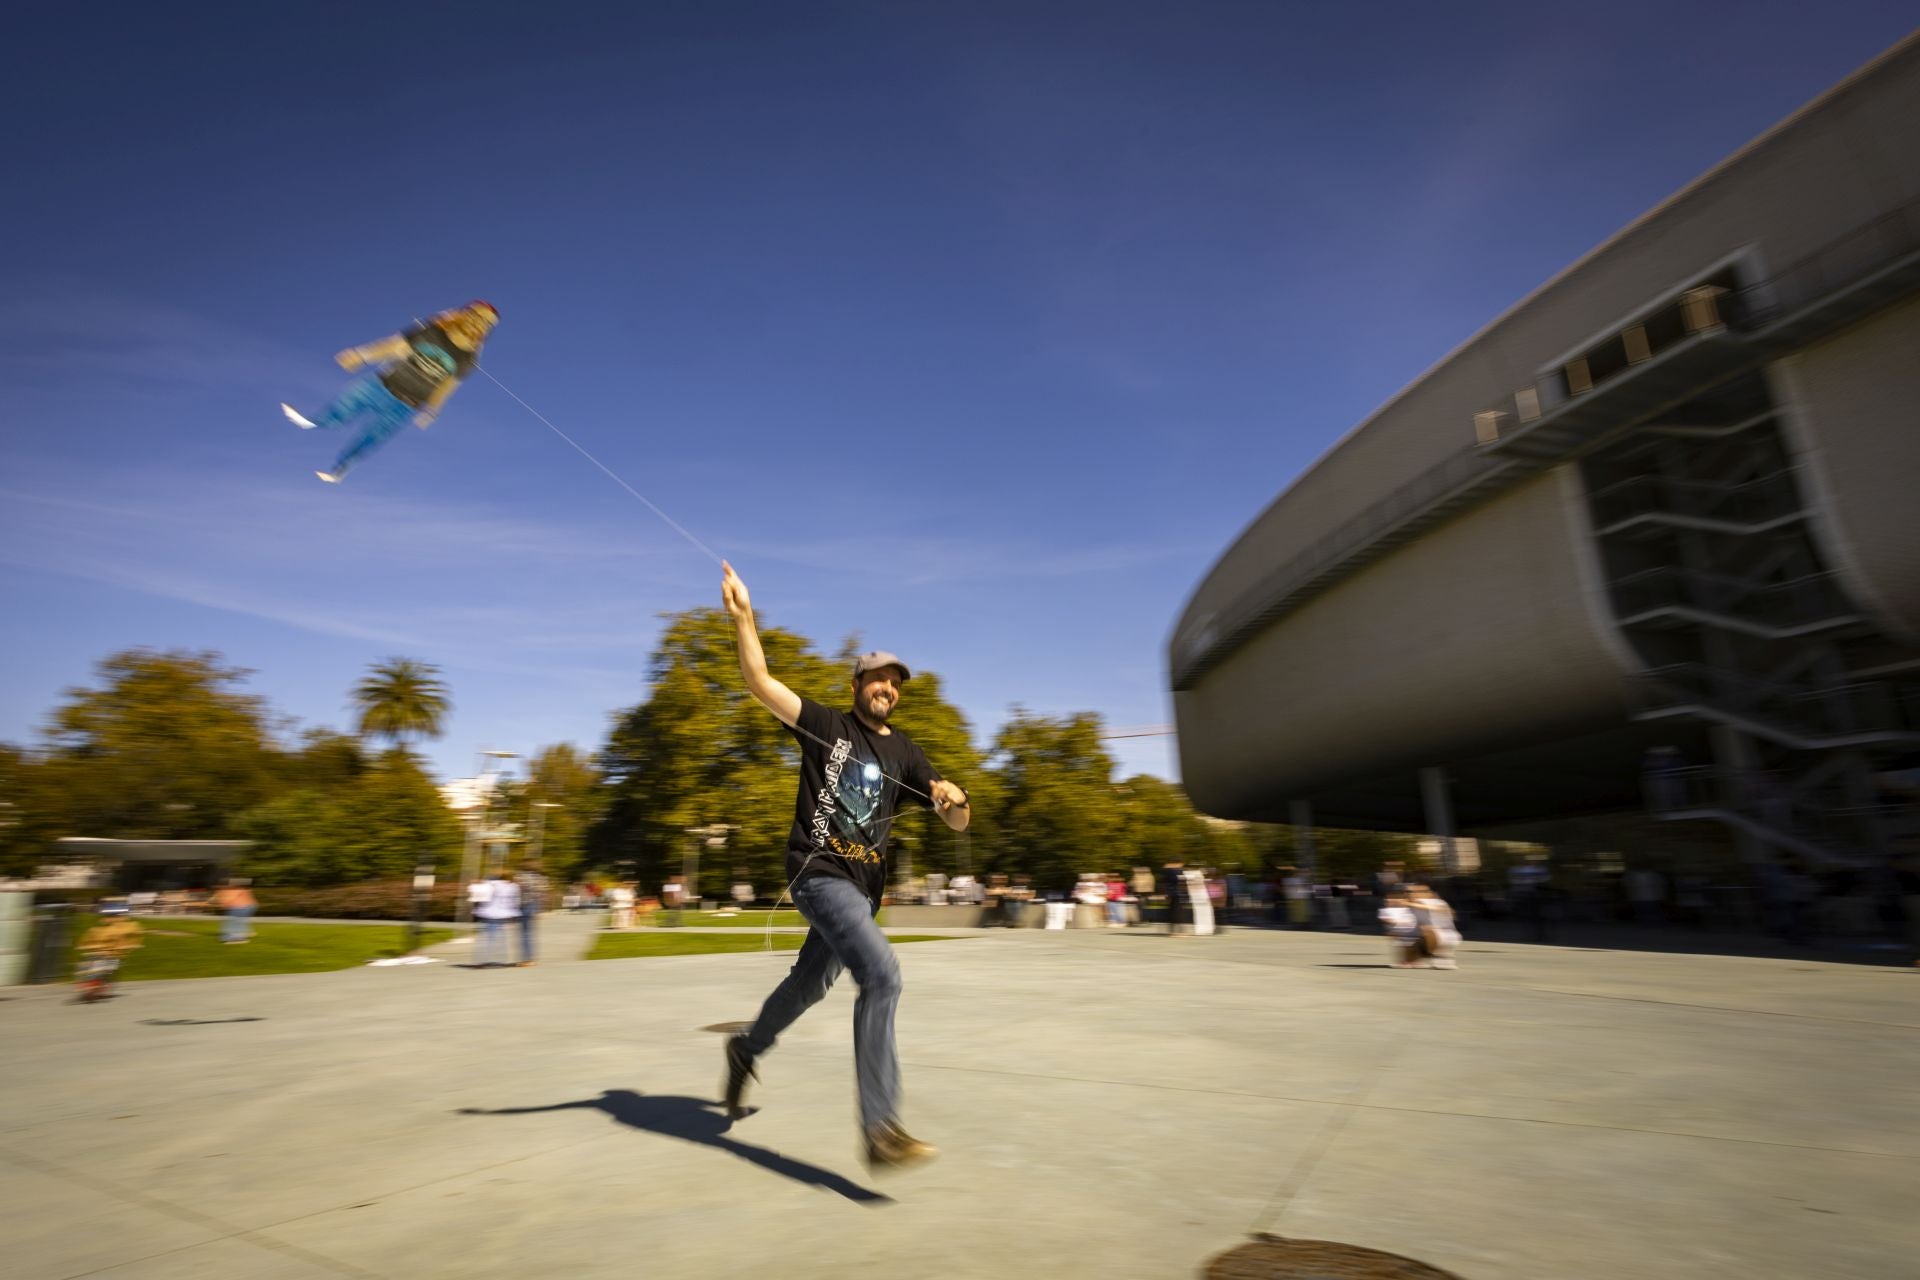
x=1438, y=936
x=502, y=904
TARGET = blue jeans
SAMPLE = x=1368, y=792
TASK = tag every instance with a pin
x=528, y=919
x=364, y=398
x=493, y=943
x=843, y=935
x=234, y=926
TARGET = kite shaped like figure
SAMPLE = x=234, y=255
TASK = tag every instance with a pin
x=414, y=373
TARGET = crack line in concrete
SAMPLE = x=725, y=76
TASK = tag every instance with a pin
x=1323, y=1141
x=153, y=1204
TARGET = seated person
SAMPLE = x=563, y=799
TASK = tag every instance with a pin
x=1402, y=926
x=1439, y=938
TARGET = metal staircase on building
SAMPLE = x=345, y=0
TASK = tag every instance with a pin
x=1718, y=584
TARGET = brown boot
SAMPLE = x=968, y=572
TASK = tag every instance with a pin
x=891, y=1147
x=739, y=1068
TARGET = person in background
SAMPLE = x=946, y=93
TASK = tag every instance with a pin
x=1299, y=895
x=1402, y=928
x=1173, y=884
x=533, y=900
x=502, y=905
x=1090, y=891
x=103, y=947
x=1116, y=901
x=620, y=906
x=237, y=905
x=477, y=896
x=1018, y=896
x=1438, y=936
x=1142, y=886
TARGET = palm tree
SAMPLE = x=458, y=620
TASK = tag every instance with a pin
x=402, y=699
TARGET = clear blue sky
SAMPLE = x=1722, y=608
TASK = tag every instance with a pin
x=977, y=328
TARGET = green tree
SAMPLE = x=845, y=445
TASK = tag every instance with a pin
x=30, y=812
x=375, y=827
x=1256, y=849
x=165, y=749
x=1160, y=825
x=399, y=818
x=298, y=838
x=1356, y=855
x=562, y=777
x=1055, y=812
x=402, y=699
x=326, y=760
x=701, y=751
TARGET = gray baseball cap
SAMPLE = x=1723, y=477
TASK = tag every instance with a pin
x=879, y=658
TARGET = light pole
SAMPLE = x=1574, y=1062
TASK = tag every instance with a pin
x=542, y=886
x=715, y=836
x=476, y=829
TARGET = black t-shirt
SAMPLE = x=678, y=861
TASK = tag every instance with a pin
x=843, y=814
x=432, y=359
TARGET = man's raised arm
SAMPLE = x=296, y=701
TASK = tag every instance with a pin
x=771, y=694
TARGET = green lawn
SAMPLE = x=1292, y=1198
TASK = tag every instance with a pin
x=185, y=947
x=752, y=918
x=625, y=946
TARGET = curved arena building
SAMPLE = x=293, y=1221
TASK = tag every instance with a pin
x=1649, y=539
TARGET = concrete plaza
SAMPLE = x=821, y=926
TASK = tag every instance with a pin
x=1109, y=1104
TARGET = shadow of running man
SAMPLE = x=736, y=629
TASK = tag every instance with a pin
x=700, y=1121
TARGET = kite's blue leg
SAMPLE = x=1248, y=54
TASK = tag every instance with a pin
x=389, y=415
x=358, y=397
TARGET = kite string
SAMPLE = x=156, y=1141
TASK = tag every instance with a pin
x=675, y=525
x=677, y=528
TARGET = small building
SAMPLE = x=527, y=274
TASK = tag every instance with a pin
x=132, y=865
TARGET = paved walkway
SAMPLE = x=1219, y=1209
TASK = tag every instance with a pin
x=1110, y=1104
x=564, y=937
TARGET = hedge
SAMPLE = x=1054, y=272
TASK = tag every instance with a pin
x=364, y=900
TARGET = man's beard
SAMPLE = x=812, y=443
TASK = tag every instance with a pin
x=875, y=711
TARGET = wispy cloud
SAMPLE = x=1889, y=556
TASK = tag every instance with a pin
x=464, y=583
x=94, y=342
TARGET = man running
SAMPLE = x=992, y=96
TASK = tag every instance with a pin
x=853, y=770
